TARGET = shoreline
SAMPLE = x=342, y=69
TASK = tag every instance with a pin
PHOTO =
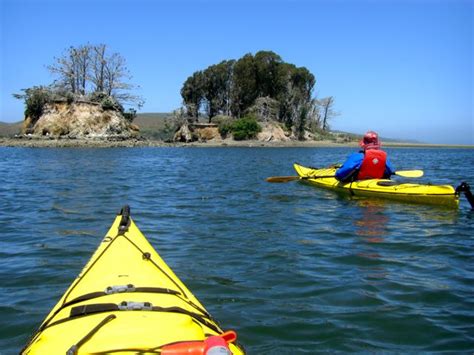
x=135, y=142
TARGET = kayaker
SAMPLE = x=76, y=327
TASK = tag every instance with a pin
x=369, y=163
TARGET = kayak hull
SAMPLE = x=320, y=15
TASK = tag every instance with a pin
x=131, y=296
x=440, y=195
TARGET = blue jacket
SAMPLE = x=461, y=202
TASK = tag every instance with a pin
x=352, y=165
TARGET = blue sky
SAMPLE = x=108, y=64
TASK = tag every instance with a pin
x=403, y=68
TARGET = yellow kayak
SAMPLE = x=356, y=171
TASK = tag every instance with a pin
x=127, y=300
x=441, y=195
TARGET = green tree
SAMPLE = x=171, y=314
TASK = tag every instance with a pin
x=300, y=122
x=303, y=81
x=245, y=90
x=217, y=84
x=295, y=100
x=212, y=88
x=233, y=88
x=192, y=93
x=269, y=78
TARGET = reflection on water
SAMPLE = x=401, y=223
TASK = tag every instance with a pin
x=373, y=221
x=372, y=225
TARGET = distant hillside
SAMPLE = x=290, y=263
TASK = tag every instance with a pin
x=357, y=137
x=10, y=129
x=155, y=125
x=152, y=120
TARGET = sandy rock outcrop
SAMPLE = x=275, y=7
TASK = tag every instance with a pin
x=80, y=120
x=183, y=134
x=209, y=132
x=272, y=132
x=201, y=132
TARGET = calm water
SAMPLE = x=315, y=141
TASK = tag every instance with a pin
x=292, y=268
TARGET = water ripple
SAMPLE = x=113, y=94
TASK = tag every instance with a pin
x=291, y=267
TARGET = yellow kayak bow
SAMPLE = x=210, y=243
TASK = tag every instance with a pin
x=127, y=300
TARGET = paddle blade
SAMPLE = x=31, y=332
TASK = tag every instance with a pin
x=282, y=178
x=410, y=173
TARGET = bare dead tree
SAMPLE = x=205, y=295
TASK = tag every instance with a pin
x=98, y=67
x=327, y=105
x=115, y=72
x=65, y=68
x=73, y=69
x=314, y=115
x=116, y=83
x=88, y=69
x=82, y=55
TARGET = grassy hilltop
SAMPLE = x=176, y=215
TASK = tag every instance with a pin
x=155, y=125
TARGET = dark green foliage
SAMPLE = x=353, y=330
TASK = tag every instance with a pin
x=303, y=81
x=69, y=97
x=192, y=93
x=270, y=79
x=233, y=87
x=245, y=90
x=224, y=124
x=216, y=89
x=245, y=128
x=225, y=127
x=109, y=103
x=130, y=115
x=35, y=100
x=301, y=123
x=98, y=96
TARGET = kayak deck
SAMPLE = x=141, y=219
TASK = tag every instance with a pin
x=441, y=195
x=125, y=300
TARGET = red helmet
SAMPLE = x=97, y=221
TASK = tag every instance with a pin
x=370, y=141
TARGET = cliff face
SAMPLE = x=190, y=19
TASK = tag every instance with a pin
x=80, y=120
x=265, y=111
x=204, y=132
x=272, y=132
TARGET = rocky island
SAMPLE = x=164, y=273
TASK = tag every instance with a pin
x=80, y=120
x=255, y=100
